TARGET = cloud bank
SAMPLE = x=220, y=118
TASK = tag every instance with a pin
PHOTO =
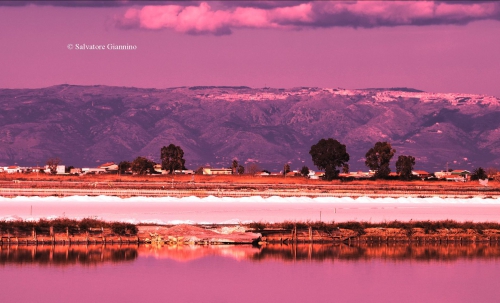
x=210, y=18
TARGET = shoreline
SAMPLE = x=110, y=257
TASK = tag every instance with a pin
x=180, y=189
x=88, y=231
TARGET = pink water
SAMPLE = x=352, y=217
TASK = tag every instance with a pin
x=222, y=276
x=234, y=210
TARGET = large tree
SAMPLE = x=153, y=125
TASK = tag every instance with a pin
x=286, y=168
x=241, y=169
x=254, y=168
x=124, y=166
x=404, y=167
x=52, y=163
x=234, y=166
x=479, y=174
x=304, y=171
x=172, y=158
x=328, y=154
x=379, y=157
x=142, y=166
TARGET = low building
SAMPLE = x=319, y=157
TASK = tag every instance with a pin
x=95, y=171
x=13, y=169
x=60, y=169
x=37, y=169
x=358, y=175
x=421, y=174
x=110, y=167
x=460, y=172
x=75, y=171
x=217, y=171
x=180, y=172
x=455, y=175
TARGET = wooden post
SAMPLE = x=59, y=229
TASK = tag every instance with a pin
x=295, y=233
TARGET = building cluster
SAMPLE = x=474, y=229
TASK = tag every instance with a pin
x=112, y=168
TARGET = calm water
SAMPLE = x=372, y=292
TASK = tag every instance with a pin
x=275, y=273
x=234, y=210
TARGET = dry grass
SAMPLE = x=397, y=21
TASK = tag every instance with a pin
x=229, y=179
x=60, y=224
x=360, y=226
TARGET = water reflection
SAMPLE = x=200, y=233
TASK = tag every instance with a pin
x=322, y=252
x=66, y=255
x=101, y=254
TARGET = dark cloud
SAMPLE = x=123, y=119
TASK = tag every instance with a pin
x=220, y=18
x=96, y=3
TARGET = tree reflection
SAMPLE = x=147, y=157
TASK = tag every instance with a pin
x=69, y=255
x=330, y=252
x=61, y=255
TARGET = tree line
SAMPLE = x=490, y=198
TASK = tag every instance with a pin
x=328, y=155
x=172, y=159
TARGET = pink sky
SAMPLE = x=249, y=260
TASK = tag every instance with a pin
x=437, y=47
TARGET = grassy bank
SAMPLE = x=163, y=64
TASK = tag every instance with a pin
x=227, y=179
x=361, y=226
x=64, y=225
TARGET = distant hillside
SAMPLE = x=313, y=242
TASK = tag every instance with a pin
x=88, y=125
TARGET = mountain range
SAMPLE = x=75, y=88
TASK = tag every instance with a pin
x=88, y=125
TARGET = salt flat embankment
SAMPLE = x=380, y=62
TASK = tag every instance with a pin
x=235, y=190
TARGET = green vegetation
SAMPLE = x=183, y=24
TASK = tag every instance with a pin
x=124, y=166
x=62, y=225
x=304, y=171
x=241, y=169
x=328, y=155
x=379, y=157
x=142, y=166
x=172, y=158
x=286, y=169
x=360, y=226
x=404, y=167
x=479, y=174
x=52, y=163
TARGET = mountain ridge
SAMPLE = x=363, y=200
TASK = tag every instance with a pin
x=88, y=125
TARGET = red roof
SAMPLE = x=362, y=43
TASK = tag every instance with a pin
x=12, y=167
x=106, y=164
x=421, y=172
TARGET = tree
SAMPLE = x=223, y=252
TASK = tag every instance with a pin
x=199, y=171
x=304, y=171
x=379, y=157
x=142, y=166
x=286, y=169
x=478, y=174
x=52, y=163
x=345, y=168
x=328, y=155
x=172, y=158
x=491, y=172
x=253, y=168
x=234, y=166
x=404, y=167
x=241, y=169
x=124, y=166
